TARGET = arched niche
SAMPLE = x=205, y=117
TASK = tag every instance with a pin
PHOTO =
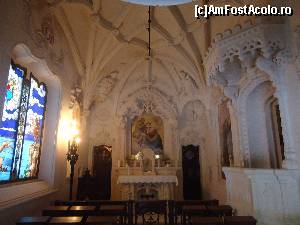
x=225, y=132
x=262, y=127
x=22, y=55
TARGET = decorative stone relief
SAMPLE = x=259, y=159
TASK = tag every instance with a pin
x=102, y=137
x=189, y=85
x=240, y=42
x=76, y=103
x=98, y=91
x=190, y=136
x=262, y=52
x=193, y=124
x=148, y=99
x=40, y=25
x=106, y=86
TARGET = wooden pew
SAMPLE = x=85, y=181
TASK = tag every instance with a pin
x=119, y=209
x=33, y=220
x=100, y=220
x=205, y=211
x=103, y=207
x=206, y=221
x=178, y=205
x=89, y=202
x=239, y=220
x=69, y=220
x=55, y=211
x=220, y=210
x=153, y=208
x=227, y=220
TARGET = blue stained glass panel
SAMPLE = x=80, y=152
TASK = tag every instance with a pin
x=9, y=122
x=33, y=129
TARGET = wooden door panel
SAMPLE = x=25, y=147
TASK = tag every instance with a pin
x=102, y=164
x=191, y=172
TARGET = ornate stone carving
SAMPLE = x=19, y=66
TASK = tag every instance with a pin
x=39, y=24
x=99, y=90
x=262, y=51
x=189, y=85
x=148, y=98
x=75, y=104
x=105, y=86
x=193, y=124
x=190, y=137
x=102, y=137
x=240, y=42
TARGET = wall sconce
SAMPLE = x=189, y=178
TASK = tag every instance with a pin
x=72, y=155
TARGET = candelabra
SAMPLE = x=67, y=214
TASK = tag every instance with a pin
x=72, y=155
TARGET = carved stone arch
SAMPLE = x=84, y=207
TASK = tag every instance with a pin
x=275, y=72
x=23, y=56
x=248, y=85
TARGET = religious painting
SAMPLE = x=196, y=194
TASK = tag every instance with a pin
x=147, y=132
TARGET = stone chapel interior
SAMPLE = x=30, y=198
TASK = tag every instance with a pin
x=213, y=112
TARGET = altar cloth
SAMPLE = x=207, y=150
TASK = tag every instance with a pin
x=147, y=179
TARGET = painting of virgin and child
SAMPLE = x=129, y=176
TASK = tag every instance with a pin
x=147, y=132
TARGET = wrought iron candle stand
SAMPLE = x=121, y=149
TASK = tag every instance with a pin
x=72, y=156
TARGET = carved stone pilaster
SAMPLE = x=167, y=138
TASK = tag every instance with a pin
x=274, y=70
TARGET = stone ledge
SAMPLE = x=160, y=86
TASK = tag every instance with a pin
x=16, y=194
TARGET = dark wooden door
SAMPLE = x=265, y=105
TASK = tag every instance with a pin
x=102, y=171
x=191, y=172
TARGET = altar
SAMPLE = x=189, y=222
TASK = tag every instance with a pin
x=147, y=177
x=147, y=187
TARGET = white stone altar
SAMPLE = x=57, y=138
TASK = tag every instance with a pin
x=152, y=187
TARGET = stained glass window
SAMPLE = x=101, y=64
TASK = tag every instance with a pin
x=21, y=125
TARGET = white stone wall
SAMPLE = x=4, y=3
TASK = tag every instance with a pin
x=271, y=196
x=22, y=39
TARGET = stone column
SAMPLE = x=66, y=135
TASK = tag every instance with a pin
x=276, y=71
x=290, y=161
x=235, y=130
x=121, y=139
